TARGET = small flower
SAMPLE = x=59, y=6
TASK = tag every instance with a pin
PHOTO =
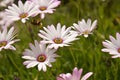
x=5, y=3
x=22, y=11
x=112, y=46
x=85, y=28
x=4, y=21
x=39, y=55
x=76, y=75
x=46, y=6
x=57, y=37
x=6, y=39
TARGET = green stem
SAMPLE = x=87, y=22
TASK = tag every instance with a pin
x=73, y=56
x=11, y=60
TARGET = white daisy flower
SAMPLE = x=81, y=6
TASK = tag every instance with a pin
x=58, y=37
x=112, y=46
x=46, y=6
x=22, y=11
x=84, y=28
x=5, y=3
x=6, y=39
x=39, y=55
x=4, y=21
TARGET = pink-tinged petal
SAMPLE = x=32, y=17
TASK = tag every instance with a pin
x=113, y=40
x=118, y=36
x=109, y=45
x=49, y=64
x=116, y=56
x=11, y=42
x=60, y=78
x=47, y=42
x=55, y=4
x=113, y=52
x=76, y=73
x=12, y=48
x=53, y=46
x=44, y=37
x=28, y=57
x=68, y=76
x=32, y=64
x=105, y=50
x=89, y=23
x=13, y=18
x=39, y=66
x=93, y=26
x=27, y=62
x=44, y=68
x=20, y=4
x=42, y=15
x=86, y=76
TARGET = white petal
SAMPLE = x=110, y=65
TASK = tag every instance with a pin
x=32, y=64
x=23, y=20
x=39, y=66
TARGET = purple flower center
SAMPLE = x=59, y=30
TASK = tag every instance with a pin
x=3, y=43
x=58, y=40
x=42, y=8
x=41, y=58
x=119, y=50
x=23, y=15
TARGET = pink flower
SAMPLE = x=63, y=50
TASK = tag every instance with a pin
x=76, y=75
x=46, y=6
x=112, y=46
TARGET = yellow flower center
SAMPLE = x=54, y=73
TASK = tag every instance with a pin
x=42, y=8
x=23, y=15
x=119, y=50
x=58, y=40
x=41, y=58
x=86, y=32
x=3, y=43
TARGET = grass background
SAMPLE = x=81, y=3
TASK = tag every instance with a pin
x=84, y=53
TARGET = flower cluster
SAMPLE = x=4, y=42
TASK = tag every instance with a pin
x=43, y=53
x=30, y=8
